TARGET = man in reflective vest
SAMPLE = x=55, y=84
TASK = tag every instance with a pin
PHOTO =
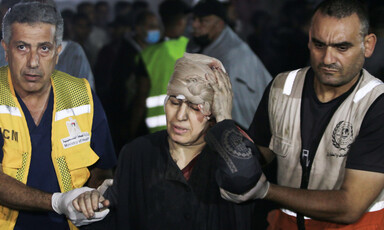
x=54, y=132
x=159, y=60
x=324, y=125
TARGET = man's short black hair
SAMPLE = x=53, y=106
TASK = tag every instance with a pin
x=171, y=11
x=210, y=7
x=140, y=18
x=345, y=8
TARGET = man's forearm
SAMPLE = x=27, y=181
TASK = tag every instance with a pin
x=322, y=205
x=345, y=205
x=16, y=195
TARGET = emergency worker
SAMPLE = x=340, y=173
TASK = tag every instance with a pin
x=55, y=135
x=158, y=60
x=324, y=124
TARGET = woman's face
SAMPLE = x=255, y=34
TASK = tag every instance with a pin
x=186, y=125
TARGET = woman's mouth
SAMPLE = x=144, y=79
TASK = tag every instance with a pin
x=179, y=129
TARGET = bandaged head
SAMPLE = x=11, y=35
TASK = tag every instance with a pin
x=189, y=80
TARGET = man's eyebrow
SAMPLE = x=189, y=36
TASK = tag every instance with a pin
x=39, y=44
x=21, y=42
x=45, y=44
x=347, y=44
x=314, y=40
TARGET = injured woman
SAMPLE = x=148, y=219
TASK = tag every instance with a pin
x=171, y=179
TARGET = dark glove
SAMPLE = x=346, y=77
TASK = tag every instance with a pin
x=238, y=168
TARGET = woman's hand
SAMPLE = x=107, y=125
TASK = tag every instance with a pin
x=222, y=99
x=90, y=202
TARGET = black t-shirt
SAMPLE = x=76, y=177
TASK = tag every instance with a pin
x=366, y=152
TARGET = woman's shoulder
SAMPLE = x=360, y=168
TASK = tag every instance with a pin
x=146, y=143
x=152, y=138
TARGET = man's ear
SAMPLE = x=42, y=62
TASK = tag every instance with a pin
x=58, y=53
x=4, y=45
x=369, y=44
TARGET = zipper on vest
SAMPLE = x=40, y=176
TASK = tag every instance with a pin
x=306, y=162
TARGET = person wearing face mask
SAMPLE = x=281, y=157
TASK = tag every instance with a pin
x=157, y=60
x=168, y=179
x=153, y=36
x=213, y=37
x=115, y=74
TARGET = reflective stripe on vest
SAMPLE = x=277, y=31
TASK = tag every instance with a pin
x=289, y=82
x=376, y=207
x=159, y=60
x=83, y=109
x=153, y=122
x=359, y=94
x=14, y=111
x=366, y=89
x=156, y=101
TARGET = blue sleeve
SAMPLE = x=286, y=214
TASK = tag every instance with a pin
x=101, y=140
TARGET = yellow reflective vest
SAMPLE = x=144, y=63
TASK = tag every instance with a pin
x=71, y=135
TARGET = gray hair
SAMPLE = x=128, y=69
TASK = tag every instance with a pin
x=31, y=13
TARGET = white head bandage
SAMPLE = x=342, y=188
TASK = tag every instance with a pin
x=189, y=79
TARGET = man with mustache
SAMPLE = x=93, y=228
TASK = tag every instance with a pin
x=55, y=136
x=324, y=125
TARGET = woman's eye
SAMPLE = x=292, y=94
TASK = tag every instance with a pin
x=174, y=101
x=194, y=107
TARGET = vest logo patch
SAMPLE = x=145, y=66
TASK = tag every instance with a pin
x=232, y=143
x=342, y=136
x=76, y=137
x=9, y=134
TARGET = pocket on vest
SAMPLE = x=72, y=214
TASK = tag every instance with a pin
x=77, y=164
x=13, y=158
x=280, y=146
x=15, y=163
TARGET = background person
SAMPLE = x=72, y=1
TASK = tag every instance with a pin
x=213, y=37
x=122, y=89
x=158, y=61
